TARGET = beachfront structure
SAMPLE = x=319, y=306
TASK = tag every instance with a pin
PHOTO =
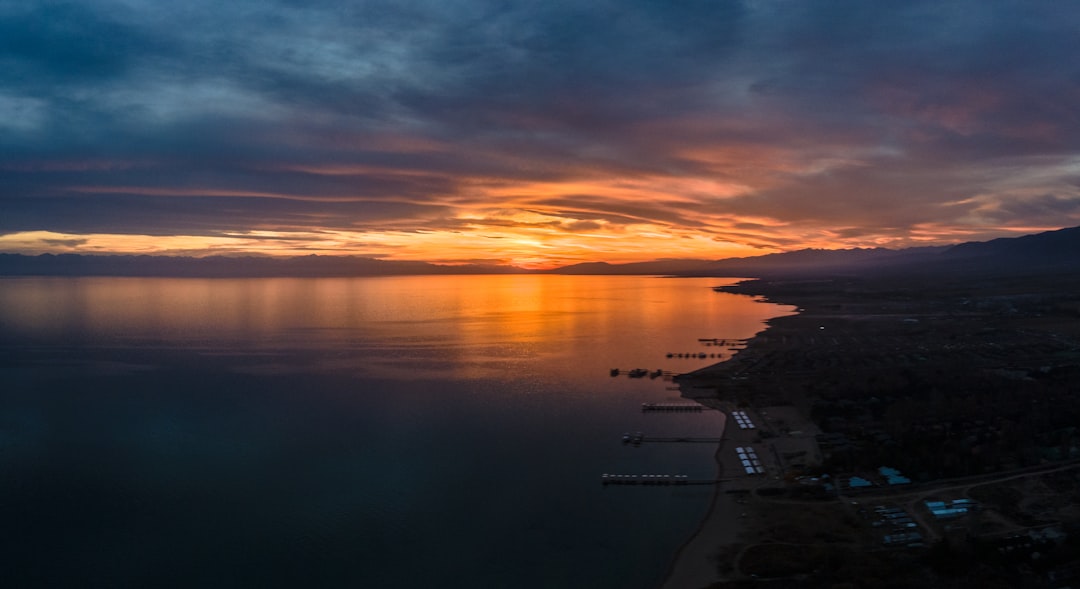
x=859, y=483
x=903, y=537
x=749, y=459
x=893, y=476
x=951, y=509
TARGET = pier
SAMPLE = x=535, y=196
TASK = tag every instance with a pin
x=653, y=479
x=642, y=373
x=696, y=355
x=717, y=341
x=681, y=407
x=683, y=440
x=639, y=438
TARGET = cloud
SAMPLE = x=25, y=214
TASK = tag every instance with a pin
x=66, y=243
x=68, y=44
x=765, y=124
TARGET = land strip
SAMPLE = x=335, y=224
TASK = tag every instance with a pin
x=967, y=387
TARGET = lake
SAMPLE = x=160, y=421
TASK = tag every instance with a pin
x=399, y=432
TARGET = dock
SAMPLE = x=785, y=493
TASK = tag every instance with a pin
x=653, y=479
x=681, y=407
x=719, y=341
x=683, y=440
x=694, y=355
x=698, y=355
x=642, y=372
x=639, y=438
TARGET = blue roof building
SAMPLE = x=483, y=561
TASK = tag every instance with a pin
x=859, y=482
x=951, y=509
x=893, y=476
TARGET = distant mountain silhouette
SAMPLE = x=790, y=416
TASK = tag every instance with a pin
x=819, y=261
x=788, y=263
x=664, y=267
x=1044, y=252
x=1048, y=249
x=1051, y=251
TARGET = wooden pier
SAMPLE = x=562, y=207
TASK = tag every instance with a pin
x=696, y=355
x=639, y=438
x=683, y=440
x=653, y=479
x=680, y=407
x=642, y=372
x=719, y=341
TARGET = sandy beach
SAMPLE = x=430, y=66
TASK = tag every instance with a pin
x=695, y=563
x=708, y=555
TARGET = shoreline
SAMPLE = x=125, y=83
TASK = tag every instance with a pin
x=695, y=564
x=680, y=570
x=1000, y=338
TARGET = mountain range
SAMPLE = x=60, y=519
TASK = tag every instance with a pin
x=1051, y=251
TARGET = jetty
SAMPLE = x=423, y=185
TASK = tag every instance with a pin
x=719, y=341
x=684, y=440
x=679, y=407
x=639, y=438
x=695, y=355
x=642, y=372
x=653, y=479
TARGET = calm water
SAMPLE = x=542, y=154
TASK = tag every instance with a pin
x=372, y=432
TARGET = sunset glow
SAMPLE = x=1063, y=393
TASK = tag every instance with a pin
x=547, y=136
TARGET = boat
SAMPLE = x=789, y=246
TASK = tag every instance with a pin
x=614, y=372
x=656, y=373
x=638, y=373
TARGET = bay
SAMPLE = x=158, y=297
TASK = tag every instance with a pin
x=394, y=432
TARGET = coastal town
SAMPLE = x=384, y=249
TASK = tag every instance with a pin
x=910, y=436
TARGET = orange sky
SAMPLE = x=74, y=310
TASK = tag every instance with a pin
x=534, y=135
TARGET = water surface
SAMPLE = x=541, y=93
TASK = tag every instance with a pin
x=362, y=432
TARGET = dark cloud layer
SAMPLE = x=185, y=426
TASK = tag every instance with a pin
x=765, y=123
